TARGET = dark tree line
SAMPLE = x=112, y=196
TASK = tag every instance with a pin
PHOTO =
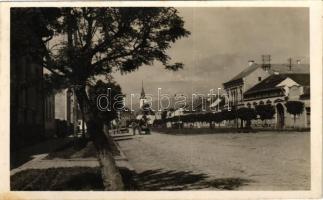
x=244, y=114
x=263, y=112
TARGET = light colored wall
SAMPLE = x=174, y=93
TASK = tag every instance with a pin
x=252, y=79
x=249, y=81
x=60, y=105
x=300, y=121
x=294, y=93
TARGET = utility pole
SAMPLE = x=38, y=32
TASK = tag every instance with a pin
x=290, y=64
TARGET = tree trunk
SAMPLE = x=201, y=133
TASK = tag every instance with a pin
x=248, y=124
x=111, y=176
x=294, y=120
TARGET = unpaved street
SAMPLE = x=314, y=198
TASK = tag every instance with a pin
x=255, y=161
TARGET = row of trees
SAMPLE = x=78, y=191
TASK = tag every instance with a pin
x=264, y=112
x=244, y=114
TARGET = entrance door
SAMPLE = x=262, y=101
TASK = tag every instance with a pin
x=280, y=116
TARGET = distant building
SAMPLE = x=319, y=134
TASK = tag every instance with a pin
x=143, y=99
x=68, y=111
x=145, y=108
x=66, y=106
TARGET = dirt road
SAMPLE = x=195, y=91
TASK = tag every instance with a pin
x=257, y=161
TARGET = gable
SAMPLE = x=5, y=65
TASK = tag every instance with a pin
x=288, y=82
x=254, y=78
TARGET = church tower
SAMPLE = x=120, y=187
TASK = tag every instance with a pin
x=142, y=99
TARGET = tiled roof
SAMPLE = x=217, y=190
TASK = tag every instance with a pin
x=280, y=68
x=294, y=69
x=267, y=84
x=245, y=72
x=302, y=79
x=271, y=82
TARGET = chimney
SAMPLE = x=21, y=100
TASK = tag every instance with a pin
x=251, y=62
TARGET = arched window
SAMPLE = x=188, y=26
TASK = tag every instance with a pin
x=261, y=103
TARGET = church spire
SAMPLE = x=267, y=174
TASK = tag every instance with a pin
x=142, y=96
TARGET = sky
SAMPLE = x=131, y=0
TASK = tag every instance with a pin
x=222, y=41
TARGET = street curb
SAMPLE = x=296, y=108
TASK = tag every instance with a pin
x=122, y=160
x=123, y=164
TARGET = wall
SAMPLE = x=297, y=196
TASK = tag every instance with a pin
x=49, y=115
x=26, y=100
x=60, y=105
x=252, y=79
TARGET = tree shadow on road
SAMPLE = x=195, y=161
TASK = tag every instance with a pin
x=152, y=180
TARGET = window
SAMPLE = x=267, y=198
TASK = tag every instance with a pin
x=259, y=78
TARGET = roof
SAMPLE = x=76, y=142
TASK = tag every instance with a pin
x=266, y=84
x=294, y=69
x=280, y=68
x=245, y=72
x=273, y=80
x=302, y=79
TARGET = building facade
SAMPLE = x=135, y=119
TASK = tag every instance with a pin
x=273, y=84
x=240, y=83
x=277, y=90
x=31, y=107
x=26, y=99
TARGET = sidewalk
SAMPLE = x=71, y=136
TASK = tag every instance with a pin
x=42, y=166
x=26, y=154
